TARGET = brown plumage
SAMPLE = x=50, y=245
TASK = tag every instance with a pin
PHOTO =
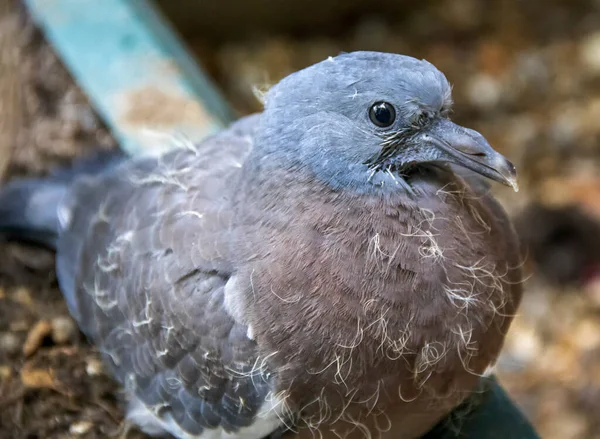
x=379, y=302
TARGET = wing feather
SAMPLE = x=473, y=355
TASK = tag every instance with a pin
x=145, y=256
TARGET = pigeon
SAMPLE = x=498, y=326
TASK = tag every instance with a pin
x=333, y=265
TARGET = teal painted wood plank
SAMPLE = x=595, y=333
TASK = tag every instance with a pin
x=136, y=71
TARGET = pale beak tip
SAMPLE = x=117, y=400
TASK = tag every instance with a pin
x=508, y=172
x=511, y=180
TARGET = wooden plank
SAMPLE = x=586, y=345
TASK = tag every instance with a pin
x=134, y=68
x=10, y=83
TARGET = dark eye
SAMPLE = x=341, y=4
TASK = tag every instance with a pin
x=382, y=114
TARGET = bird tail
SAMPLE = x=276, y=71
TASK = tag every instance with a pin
x=30, y=207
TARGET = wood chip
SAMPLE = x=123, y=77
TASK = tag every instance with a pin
x=5, y=373
x=35, y=337
x=9, y=343
x=19, y=326
x=34, y=378
x=80, y=428
x=93, y=367
x=23, y=296
x=63, y=330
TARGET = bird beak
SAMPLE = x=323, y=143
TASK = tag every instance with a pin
x=469, y=149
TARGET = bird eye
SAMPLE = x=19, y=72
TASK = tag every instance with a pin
x=382, y=114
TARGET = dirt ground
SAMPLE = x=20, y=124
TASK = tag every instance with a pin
x=529, y=81
x=51, y=380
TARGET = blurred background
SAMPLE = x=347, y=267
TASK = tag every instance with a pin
x=526, y=74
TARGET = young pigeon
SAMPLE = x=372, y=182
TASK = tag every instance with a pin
x=333, y=264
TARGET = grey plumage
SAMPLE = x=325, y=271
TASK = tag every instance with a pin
x=305, y=266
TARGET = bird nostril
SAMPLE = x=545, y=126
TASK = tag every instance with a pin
x=472, y=150
x=473, y=153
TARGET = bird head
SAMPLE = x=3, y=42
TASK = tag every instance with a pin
x=366, y=120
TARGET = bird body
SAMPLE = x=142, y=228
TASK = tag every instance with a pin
x=313, y=265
